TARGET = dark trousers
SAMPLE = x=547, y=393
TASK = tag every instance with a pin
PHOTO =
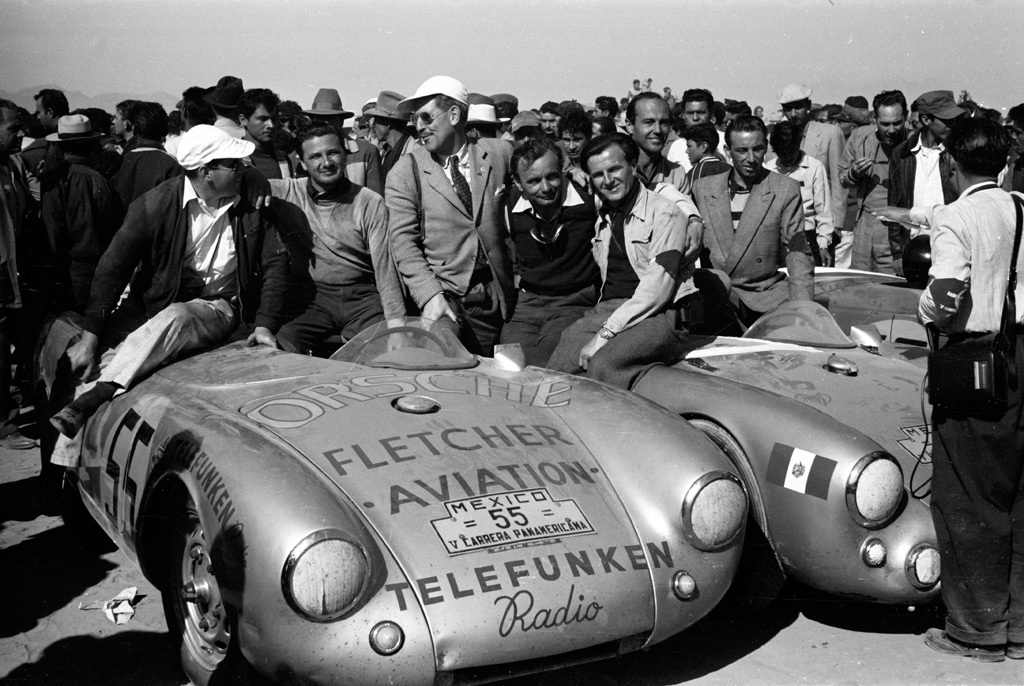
x=978, y=510
x=326, y=311
x=539, y=320
x=659, y=339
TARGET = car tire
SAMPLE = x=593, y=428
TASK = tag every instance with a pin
x=759, y=578
x=209, y=656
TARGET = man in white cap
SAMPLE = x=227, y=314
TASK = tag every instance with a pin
x=823, y=142
x=446, y=219
x=192, y=248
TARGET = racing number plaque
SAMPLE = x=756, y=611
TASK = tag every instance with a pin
x=502, y=519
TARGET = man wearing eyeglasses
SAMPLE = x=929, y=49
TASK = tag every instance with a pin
x=192, y=249
x=919, y=172
x=446, y=218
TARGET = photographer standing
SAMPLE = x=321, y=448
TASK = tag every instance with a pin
x=978, y=459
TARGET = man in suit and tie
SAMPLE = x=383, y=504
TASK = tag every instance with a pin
x=446, y=220
x=754, y=225
x=823, y=142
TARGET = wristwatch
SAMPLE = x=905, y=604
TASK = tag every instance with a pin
x=606, y=333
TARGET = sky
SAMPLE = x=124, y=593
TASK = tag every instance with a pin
x=536, y=49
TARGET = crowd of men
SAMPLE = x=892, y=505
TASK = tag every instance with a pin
x=599, y=239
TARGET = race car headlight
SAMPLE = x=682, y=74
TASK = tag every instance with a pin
x=714, y=510
x=874, y=490
x=324, y=575
x=924, y=566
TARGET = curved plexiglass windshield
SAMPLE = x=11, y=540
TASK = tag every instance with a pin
x=802, y=323
x=414, y=344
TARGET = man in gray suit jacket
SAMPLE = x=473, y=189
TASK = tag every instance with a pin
x=447, y=227
x=754, y=225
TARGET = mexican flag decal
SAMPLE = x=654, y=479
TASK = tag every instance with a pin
x=800, y=471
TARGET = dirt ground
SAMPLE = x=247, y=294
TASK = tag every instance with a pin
x=49, y=570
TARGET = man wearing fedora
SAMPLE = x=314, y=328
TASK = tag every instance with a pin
x=391, y=130
x=482, y=120
x=223, y=98
x=446, y=218
x=200, y=256
x=81, y=211
x=362, y=160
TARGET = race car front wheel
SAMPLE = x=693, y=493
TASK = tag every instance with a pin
x=193, y=604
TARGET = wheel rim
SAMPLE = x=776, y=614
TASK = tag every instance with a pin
x=205, y=631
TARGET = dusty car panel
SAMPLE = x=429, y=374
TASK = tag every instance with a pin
x=494, y=516
x=807, y=433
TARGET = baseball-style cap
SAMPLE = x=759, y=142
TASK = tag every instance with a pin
x=526, y=118
x=204, y=143
x=939, y=104
x=431, y=88
x=794, y=92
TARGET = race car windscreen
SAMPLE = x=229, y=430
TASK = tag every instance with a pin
x=412, y=344
x=802, y=323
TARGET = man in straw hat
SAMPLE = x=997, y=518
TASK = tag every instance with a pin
x=362, y=161
x=192, y=248
x=446, y=219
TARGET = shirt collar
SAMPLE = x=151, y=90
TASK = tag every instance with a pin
x=967, y=191
x=463, y=155
x=190, y=194
x=918, y=146
x=333, y=195
x=572, y=199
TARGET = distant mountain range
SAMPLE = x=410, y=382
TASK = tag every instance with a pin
x=76, y=99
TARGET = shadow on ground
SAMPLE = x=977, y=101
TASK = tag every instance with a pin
x=46, y=571
x=123, y=659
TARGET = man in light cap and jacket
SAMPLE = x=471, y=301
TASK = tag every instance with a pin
x=823, y=142
x=200, y=256
x=447, y=226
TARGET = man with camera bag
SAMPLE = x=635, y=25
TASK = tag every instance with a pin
x=978, y=455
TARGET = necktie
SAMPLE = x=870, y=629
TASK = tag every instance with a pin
x=460, y=183
x=385, y=148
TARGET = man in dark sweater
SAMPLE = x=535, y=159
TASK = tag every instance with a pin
x=337, y=235
x=200, y=256
x=81, y=212
x=257, y=113
x=551, y=220
x=144, y=164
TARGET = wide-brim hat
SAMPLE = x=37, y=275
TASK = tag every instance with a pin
x=73, y=127
x=794, y=92
x=226, y=93
x=430, y=89
x=327, y=103
x=387, y=106
x=482, y=114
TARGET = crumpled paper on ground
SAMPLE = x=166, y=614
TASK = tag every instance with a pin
x=118, y=609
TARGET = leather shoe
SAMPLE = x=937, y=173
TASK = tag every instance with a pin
x=1015, y=651
x=15, y=440
x=69, y=421
x=939, y=640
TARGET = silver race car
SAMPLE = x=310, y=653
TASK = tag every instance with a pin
x=832, y=442
x=406, y=513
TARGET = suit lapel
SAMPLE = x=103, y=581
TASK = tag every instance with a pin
x=750, y=221
x=437, y=180
x=720, y=215
x=480, y=174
